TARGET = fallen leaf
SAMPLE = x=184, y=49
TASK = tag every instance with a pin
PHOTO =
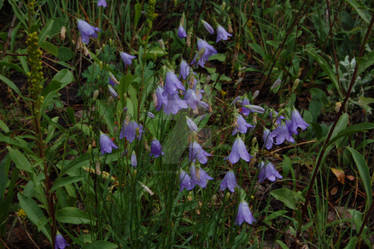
x=333, y=191
x=339, y=174
x=350, y=177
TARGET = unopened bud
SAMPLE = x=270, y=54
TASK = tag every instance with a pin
x=95, y=94
x=63, y=33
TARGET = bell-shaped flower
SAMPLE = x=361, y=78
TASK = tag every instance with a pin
x=208, y=27
x=222, y=34
x=191, y=124
x=280, y=134
x=268, y=139
x=245, y=110
x=194, y=100
x=269, y=172
x=196, y=152
x=244, y=214
x=239, y=151
x=185, y=181
x=296, y=122
x=174, y=104
x=172, y=84
x=150, y=115
x=106, y=144
x=130, y=131
x=199, y=176
x=127, y=58
x=241, y=125
x=161, y=98
x=87, y=31
x=112, y=91
x=205, y=51
x=156, y=148
x=101, y=3
x=181, y=32
x=133, y=160
x=184, y=69
x=60, y=242
x=229, y=181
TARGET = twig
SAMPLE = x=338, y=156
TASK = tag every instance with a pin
x=27, y=233
x=4, y=244
x=293, y=145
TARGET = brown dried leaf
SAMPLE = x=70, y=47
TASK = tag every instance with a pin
x=350, y=177
x=339, y=174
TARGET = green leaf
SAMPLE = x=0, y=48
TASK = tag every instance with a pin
x=352, y=243
x=218, y=57
x=282, y=244
x=72, y=215
x=364, y=172
x=351, y=130
x=101, y=244
x=360, y=9
x=62, y=181
x=59, y=81
x=64, y=54
x=49, y=47
x=19, y=159
x=365, y=62
x=10, y=84
x=289, y=197
x=4, y=127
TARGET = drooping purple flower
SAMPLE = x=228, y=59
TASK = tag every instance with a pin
x=222, y=34
x=280, y=134
x=205, y=51
x=111, y=82
x=279, y=117
x=245, y=110
x=131, y=130
x=87, y=31
x=156, y=148
x=133, y=160
x=127, y=58
x=106, y=144
x=174, y=104
x=208, y=27
x=239, y=151
x=191, y=124
x=269, y=172
x=150, y=115
x=112, y=91
x=184, y=69
x=196, y=152
x=268, y=139
x=229, y=181
x=244, y=214
x=172, y=84
x=199, y=176
x=296, y=122
x=101, y=3
x=161, y=98
x=194, y=100
x=181, y=32
x=60, y=242
x=185, y=181
x=241, y=125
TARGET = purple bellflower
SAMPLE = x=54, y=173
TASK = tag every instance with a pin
x=280, y=134
x=194, y=100
x=229, y=181
x=268, y=139
x=184, y=70
x=222, y=34
x=106, y=144
x=244, y=110
x=196, y=152
x=127, y=58
x=185, y=181
x=156, y=149
x=199, y=176
x=87, y=31
x=60, y=242
x=191, y=124
x=174, y=104
x=296, y=122
x=208, y=27
x=172, y=84
x=130, y=131
x=239, y=151
x=112, y=91
x=269, y=172
x=133, y=160
x=101, y=3
x=241, y=125
x=161, y=98
x=208, y=50
x=150, y=115
x=181, y=32
x=244, y=214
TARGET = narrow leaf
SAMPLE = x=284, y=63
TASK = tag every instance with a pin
x=19, y=159
x=62, y=181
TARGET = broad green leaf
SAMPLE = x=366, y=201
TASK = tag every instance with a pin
x=352, y=243
x=361, y=10
x=258, y=49
x=19, y=159
x=364, y=172
x=64, y=76
x=10, y=84
x=72, y=215
x=64, y=53
x=282, y=244
x=351, y=130
x=63, y=181
x=218, y=57
x=49, y=47
x=4, y=127
x=289, y=197
x=101, y=244
x=365, y=62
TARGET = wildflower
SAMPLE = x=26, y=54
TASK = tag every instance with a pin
x=208, y=27
x=280, y=134
x=174, y=104
x=244, y=214
x=101, y=3
x=161, y=98
x=268, y=139
x=279, y=118
x=184, y=70
x=133, y=160
x=206, y=49
x=127, y=58
x=268, y=171
x=60, y=242
x=196, y=152
x=112, y=91
x=181, y=32
x=156, y=148
x=239, y=151
x=199, y=176
x=87, y=31
x=130, y=131
x=193, y=99
x=185, y=181
x=106, y=144
x=296, y=122
x=241, y=125
x=229, y=181
x=245, y=110
x=150, y=115
x=111, y=82
x=172, y=84
x=191, y=124
x=276, y=84
x=222, y=34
